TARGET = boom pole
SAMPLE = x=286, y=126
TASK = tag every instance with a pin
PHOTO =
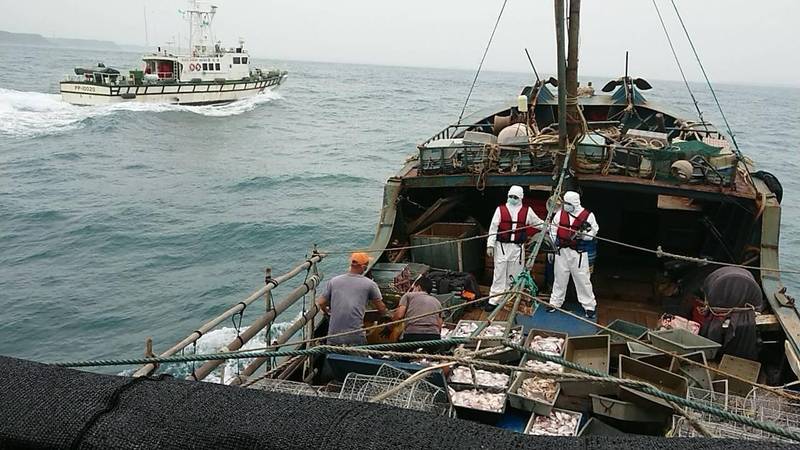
x=573, y=119
x=562, y=75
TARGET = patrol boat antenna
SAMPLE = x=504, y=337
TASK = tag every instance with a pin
x=200, y=15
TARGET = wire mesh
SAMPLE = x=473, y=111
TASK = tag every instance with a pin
x=418, y=395
x=759, y=405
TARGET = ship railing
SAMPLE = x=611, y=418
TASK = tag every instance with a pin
x=273, y=309
x=710, y=164
x=476, y=157
x=447, y=133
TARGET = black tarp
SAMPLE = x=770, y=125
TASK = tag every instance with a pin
x=46, y=407
x=733, y=287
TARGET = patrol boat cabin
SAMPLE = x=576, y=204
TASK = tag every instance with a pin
x=209, y=74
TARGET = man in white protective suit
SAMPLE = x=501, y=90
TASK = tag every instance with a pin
x=510, y=228
x=573, y=236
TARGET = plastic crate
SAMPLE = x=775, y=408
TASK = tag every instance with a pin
x=742, y=368
x=624, y=410
x=534, y=405
x=588, y=351
x=592, y=352
x=661, y=379
x=696, y=375
x=681, y=341
x=574, y=432
x=637, y=350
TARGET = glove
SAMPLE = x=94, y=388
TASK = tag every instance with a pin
x=490, y=252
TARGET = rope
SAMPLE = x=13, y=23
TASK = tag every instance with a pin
x=659, y=252
x=318, y=350
x=680, y=67
x=483, y=58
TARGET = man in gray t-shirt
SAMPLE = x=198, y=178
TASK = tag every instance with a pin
x=345, y=299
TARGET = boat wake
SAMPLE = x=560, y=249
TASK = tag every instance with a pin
x=214, y=341
x=33, y=114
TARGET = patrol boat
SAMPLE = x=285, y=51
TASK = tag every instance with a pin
x=208, y=74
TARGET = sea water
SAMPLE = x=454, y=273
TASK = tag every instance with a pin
x=127, y=221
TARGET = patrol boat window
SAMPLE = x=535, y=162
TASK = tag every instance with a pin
x=244, y=60
x=216, y=66
x=237, y=60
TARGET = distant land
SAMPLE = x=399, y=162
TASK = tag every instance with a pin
x=37, y=40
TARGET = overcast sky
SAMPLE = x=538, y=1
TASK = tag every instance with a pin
x=738, y=40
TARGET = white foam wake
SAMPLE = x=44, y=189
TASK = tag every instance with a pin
x=29, y=114
x=214, y=341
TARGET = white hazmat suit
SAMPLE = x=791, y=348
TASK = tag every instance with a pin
x=509, y=257
x=569, y=261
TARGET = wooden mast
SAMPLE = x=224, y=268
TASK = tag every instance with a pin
x=562, y=74
x=573, y=119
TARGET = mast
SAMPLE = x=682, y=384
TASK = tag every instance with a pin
x=200, y=20
x=573, y=120
x=562, y=75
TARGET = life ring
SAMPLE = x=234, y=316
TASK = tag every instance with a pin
x=191, y=67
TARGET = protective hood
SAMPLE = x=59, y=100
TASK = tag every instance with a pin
x=515, y=190
x=574, y=199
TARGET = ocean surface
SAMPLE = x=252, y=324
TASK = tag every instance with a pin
x=123, y=222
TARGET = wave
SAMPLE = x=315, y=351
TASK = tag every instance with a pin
x=32, y=114
x=302, y=180
x=216, y=340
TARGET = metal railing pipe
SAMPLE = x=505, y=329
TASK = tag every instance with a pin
x=260, y=324
x=301, y=321
x=237, y=308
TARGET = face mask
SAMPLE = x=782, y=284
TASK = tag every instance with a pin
x=569, y=207
x=514, y=201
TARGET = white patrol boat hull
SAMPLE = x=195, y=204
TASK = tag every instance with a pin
x=205, y=93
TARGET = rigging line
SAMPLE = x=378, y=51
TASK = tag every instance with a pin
x=680, y=67
x=485, y=52
x=659, y=252
x=710, y=87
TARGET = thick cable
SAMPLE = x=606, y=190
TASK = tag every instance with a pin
x=483, y=58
